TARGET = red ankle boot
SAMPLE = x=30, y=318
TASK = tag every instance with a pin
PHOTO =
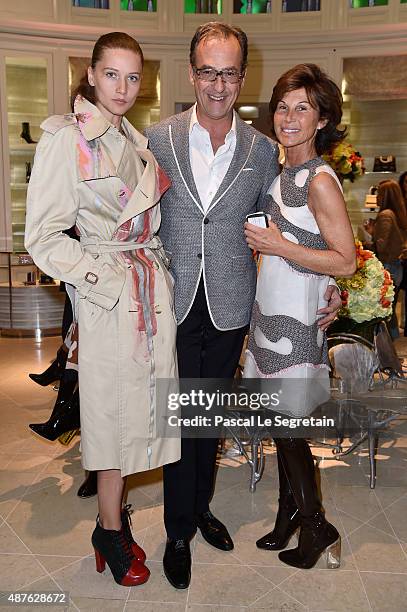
x=112, y=547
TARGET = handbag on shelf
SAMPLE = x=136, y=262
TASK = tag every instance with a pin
x=384, y=163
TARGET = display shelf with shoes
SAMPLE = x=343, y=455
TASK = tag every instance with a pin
x=30, y=302
x=27, y=106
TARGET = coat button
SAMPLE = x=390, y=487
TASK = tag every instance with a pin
x=206, y=221
x=157, y=309
x=155, y=265
x=199, y=255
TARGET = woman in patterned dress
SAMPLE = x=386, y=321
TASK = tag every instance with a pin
x=309, y=239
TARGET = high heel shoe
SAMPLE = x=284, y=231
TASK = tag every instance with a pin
x=89, y=487
x=66, y=418
x=54, y=372
x=25, y=134
x=287, y=523
x=112, y=547
x=316, y=537
x=126, y=526
x=288, y=516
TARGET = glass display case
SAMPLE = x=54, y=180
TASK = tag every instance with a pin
x=203, y=6
x=296, y=6
x=252, y=7
x=30, y=301
x=367, y=3
x=27, y=107
x=139, y=5
x=98, y=4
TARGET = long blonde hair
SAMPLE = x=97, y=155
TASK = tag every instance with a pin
x=390, y=197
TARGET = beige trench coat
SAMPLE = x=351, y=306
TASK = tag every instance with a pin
x=88, y=174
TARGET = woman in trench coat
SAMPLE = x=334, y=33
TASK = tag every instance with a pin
x=92, y=170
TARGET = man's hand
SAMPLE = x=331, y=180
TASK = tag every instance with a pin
x=333, y=298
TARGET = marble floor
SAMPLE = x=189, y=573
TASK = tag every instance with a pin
x=45, y=528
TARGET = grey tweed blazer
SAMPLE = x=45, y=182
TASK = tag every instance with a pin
x=212, y=243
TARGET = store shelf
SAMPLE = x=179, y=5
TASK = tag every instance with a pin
x=32, y=307
x=383, y=172
x=26, y=103
x=23, y=149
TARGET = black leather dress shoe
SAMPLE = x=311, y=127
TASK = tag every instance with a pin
x=177, y=563
x=214, y=532
x=89, y=487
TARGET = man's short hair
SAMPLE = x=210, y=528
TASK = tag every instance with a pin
x=216, y=29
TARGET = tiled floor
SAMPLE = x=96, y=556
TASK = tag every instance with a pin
x=45, y=528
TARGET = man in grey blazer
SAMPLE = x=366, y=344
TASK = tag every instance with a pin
x=220, y=169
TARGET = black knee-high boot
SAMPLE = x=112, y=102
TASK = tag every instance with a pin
x=54, y=371
x=288, y=517
x=65, y=414
x=316, y=535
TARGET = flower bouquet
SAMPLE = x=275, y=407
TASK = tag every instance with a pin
x=367, y=296
x=347, y=163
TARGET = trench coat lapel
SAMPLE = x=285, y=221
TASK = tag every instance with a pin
x=150, y=186
x=180, y=140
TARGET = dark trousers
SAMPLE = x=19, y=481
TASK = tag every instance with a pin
x=67, y=317
x=203, y=352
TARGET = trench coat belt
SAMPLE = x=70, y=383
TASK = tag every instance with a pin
x=96, y=246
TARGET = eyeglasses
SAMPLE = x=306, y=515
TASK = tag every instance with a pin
x=210, y=74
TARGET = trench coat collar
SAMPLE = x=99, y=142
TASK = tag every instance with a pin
x=180, y=135
x=93, y=124
x=146, y=189
x=150, y=187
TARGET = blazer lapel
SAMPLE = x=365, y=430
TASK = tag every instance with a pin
x=180, y=144
x=244, y=143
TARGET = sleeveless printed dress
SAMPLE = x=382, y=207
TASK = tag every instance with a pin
x=284, y=339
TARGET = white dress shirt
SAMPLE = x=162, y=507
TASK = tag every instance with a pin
x=209, y=168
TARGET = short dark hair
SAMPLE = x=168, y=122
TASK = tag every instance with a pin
x=323, y=94
x=217, y=29
x=112, y=40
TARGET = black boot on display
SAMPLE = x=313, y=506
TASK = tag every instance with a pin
x=54, y=372
x=25, y=134
x=89, y=487
x=317, y=535
x=65, y=417
x=288, y=517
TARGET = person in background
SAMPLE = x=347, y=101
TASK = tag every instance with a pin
x=389, y=233
x=403, y=185
x=93, y=171
x=309, y=239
